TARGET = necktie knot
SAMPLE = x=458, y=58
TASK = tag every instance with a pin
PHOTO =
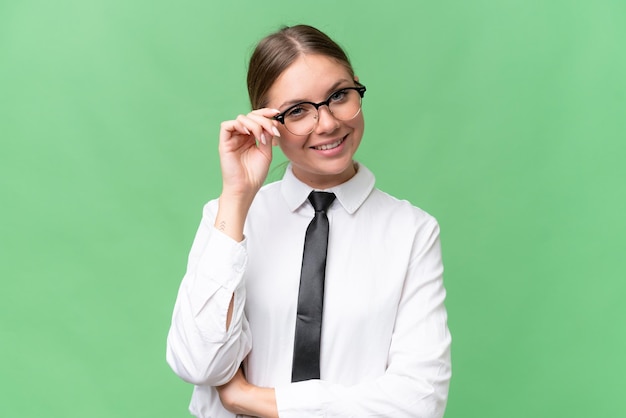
x=321, y=201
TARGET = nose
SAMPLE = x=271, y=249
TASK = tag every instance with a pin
x=326, y=122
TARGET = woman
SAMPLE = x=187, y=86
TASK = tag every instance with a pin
x=237, y=329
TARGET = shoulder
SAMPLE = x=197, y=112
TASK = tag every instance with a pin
x=398, y=210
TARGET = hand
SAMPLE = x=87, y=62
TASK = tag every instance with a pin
x=240, y=397
x=233, y=392
x=245, y=163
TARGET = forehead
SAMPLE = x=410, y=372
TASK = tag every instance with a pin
x=310, y=77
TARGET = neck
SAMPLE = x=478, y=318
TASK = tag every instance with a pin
x=325, y=181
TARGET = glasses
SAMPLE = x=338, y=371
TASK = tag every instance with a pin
x=344, y=105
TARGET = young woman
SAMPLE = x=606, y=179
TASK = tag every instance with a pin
x=384, y=347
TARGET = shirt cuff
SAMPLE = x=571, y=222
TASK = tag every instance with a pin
x=219, y=272
x=226, y=260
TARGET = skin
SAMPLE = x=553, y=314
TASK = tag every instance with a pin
x=245, y=148
x=314, y=78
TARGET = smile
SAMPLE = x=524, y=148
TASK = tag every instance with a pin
x=331, y=145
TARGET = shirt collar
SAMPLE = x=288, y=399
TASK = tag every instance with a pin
x=350, y=194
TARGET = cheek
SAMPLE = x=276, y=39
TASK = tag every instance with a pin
x=361, y=120
x=288, y=140
x=358, y=124
x=288, y=145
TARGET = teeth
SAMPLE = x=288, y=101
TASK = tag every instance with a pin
x=330, y=146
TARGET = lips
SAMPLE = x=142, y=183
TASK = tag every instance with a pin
x=325, y=147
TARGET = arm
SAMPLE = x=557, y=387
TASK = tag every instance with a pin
x=209, y=335
x=416, y=381
x=201, y=348
x=240, y=397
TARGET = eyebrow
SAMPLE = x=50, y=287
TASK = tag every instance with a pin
x=331, y=90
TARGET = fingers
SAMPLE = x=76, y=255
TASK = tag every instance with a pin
x=257, y=123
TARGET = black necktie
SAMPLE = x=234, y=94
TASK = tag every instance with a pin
x=306, y=351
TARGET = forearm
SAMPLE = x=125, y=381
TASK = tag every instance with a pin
x=230, y=220
x=231, y=215
x=209, y=334
x=258, y=402
x=390, y=395
x=240, y=397
x=204, y=357
x=397, y=396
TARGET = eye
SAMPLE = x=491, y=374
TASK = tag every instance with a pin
x=297, y=112
x=338, y=96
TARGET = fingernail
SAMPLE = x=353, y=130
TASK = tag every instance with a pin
x=246, y=130
x=263, y=140
x=275, y=130
x=276, y=110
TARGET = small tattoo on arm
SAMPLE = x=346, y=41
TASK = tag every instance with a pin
x=222, y=226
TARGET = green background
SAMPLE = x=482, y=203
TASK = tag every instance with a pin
x=504, y=119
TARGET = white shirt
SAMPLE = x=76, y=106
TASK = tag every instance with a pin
x=385, y=348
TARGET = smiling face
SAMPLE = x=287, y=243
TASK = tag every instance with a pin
x=323, y=158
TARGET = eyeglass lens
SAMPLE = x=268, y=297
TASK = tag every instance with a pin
x=343, y=104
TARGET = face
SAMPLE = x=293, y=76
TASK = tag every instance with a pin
x=323, y=158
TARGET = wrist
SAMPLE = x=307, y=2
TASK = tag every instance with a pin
x=259, y=401
x=235, y=199
x=231, y=215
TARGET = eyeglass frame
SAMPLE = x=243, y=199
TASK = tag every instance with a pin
x=359, y=89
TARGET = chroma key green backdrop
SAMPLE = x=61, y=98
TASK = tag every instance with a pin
x=504, y=119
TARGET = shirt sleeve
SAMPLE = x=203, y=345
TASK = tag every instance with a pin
x=417, y=377
x=199, y=347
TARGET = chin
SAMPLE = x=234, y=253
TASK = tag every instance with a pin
x=344, y=170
